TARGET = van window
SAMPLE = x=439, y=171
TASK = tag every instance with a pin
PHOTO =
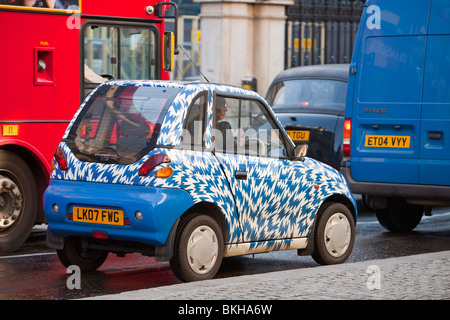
x=392, y=69
x=437, y=70
x=119, y=124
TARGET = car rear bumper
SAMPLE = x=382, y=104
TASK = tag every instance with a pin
x=160, y=208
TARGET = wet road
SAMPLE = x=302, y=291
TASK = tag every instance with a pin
x=34, y=272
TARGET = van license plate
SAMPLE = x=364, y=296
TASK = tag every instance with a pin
x=387, y=141
x=298, y=135
x=98, y=215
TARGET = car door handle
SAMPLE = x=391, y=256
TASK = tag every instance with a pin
x=240, y=175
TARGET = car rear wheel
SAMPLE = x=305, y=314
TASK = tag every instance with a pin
x=334, y=234
x=76, y=253
x=198, y=249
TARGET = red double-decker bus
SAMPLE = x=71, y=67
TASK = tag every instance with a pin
x=53, y=53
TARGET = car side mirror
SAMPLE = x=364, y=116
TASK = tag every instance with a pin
x=300, y=151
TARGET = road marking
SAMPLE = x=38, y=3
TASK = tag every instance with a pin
x=437, y=215
x=28, y=255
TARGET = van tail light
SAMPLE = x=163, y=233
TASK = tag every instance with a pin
x=346, y=138
x=152, y=162
x=61, y=159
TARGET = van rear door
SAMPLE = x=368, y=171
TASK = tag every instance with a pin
x=387, y=95
x=435, y=130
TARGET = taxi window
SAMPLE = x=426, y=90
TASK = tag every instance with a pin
x=303, y=94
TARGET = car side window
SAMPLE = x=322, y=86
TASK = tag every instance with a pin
x=194, y=124
x=244, y=126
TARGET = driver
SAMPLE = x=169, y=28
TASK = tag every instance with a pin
x=223, y=126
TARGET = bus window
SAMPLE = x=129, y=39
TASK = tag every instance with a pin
x=118, y=52
x=135, y=54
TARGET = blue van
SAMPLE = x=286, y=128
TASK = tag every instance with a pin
x=397, y=129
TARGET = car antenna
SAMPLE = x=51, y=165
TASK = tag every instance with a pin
x=196, y=67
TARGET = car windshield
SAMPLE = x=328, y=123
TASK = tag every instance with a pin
x=299, y=94
x=120, y=124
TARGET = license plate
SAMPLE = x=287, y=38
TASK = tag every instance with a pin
x=387, y=141
x=299, y=135
x=98, y=215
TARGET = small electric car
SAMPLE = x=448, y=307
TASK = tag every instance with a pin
x=190, y=173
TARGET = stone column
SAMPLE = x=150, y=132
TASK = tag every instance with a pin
x=242, y=38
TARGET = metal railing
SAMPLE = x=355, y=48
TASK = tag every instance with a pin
x=321, y=31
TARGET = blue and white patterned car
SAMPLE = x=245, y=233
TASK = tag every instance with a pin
x=190, y=173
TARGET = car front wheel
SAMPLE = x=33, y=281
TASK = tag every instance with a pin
x=334, y=235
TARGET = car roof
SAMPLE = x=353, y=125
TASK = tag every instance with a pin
x=189, y=85
x=325, y=71
x=181, y=84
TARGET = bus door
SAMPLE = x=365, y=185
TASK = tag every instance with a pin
x=115, y=51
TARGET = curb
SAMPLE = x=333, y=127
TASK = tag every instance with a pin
x=417, y=277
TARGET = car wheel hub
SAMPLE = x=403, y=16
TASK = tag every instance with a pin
x=337, y=235
x=202, y=249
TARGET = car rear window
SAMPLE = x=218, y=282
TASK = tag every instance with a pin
x=308, y=93
x=120, y=124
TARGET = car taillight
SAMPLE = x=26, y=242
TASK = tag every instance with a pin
x=346, y=138
x=61, y=159
x=152, y=162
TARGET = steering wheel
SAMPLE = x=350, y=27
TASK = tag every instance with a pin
x=253, y=145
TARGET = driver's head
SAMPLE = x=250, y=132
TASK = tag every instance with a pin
x=221, y=108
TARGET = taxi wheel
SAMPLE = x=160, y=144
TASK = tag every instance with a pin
x=198, y=249
x=74, y=253
x=334, y=234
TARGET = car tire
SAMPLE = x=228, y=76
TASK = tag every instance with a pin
x=74, y=253
x=334, y=234
x=198, y=250
x=400, y=216
x=18, y=201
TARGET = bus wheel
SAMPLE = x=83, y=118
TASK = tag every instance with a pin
x=400, y=216
x=198, y=249
x=75, y=253
x=18, y=201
